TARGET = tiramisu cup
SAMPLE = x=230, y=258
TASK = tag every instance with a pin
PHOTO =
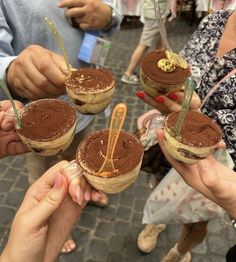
x=48, y=126
x=163, y=72
x=90, y=89
x=128, y=156
x=198, y=137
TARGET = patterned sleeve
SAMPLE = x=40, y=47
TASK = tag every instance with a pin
x=193, y=51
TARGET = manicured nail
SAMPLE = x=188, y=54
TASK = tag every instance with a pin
x=78, y=193
x=58, y=181
x=140, y=94
x=87, y=195
x=159, y=99
x=173, y=96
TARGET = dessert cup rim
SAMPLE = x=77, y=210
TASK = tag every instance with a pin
x=106, y=129
x=21, y=111
x=169, y=129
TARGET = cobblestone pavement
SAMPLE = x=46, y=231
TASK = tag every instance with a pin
x=110, y=234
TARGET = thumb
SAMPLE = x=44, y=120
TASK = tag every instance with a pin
x=51, y=202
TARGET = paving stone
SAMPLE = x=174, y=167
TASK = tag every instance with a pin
x=72, y=257
x=137, y=218
x=216, y=245
x=6, y=215
x=14, y=198
x=114, y=257
x=139, y=205
x=22, y=183
x=11, y=174
x=142, y=192
x=3, y=168
x=19, y=162
x=114, y=199
x=126, y=199
x=215, y=226
x=5, y=186
x=116, y=243
x=121, y=228
x=87, y=220
x=123, y=213
x=104, y=230
x=201, y=249
x=1, y=198
x=82, y=236
x=108, y=213
x=98, y=250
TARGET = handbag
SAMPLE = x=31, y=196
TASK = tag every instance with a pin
x=154, y=161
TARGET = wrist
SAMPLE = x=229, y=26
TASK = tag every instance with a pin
x=107, y=11
x=10, y=77
x=113, y=20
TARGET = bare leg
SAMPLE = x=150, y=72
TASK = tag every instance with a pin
x=191, y=236
x=135, y=58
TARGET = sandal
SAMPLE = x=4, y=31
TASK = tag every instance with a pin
x=102, y=202
x=69, y=246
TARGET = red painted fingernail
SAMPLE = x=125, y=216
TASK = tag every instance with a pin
x=140, y=94
x=173, y=96
x=159, y=99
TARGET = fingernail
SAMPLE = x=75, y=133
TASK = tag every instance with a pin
x=140, y=94
x=87, y=195
x=78, y=194
x=58, y=181
x=172, y=96
x=159, y=99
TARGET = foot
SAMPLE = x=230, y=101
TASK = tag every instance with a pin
x=102, y=202
x=147, y=238
x=132, y=79
x=174, y=256
x=69, y=246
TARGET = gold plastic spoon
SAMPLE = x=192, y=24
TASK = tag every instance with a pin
x=174, y=58
x=189, y=87
x=8, y=94
x=117, y=120
x=59, y=42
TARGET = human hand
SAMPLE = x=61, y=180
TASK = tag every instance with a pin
x=79, y=189
x=37, y=73
x=44, y=219
x=87, y=14
x=170, y=102
x=10, y=142
x=209, y=177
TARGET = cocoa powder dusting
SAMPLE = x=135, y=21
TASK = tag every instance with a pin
x=90, y=80
x=198, y=130
x=150, y=68
x=127, y=155
x=46, y=119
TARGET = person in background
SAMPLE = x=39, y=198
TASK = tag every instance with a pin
x=150, y=36
x=32, y=68
x=215, y=181
x=212, y=50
